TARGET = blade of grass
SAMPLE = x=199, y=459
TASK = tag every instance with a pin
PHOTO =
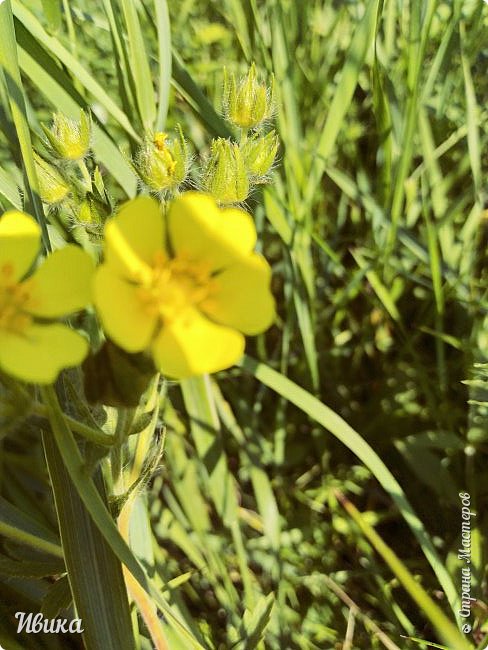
x=94, y=572
x=420, y=22
x=140, y=68
x=10, y=66
x=205, y=429
x=445, y=628
x=353, y=441
x=9, y=190
x=34, y=27
x=356, y=55
x=197, y=100
x=16, y=525
x=164, y=60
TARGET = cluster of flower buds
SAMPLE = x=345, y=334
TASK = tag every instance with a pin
x=66, y=185
x=58, y=170
x=233, y=168
x=163, y=163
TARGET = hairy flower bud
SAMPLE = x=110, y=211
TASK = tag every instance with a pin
x=162, y=163
x=259, y=153
x=247, y=103
x=69, y=138
x=225, y=176
x=53, y=189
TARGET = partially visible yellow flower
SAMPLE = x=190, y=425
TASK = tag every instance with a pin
x=31, y=349
x=187, y=291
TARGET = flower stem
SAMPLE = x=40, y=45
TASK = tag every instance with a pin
x=89, y=433
x=85, y=175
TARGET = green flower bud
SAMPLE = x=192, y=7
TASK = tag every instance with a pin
x=225, y=175
x=259, y=154
x=89, y=215
x=69, y=138
x=161, y=163
x=53, y=189
x=247, y=103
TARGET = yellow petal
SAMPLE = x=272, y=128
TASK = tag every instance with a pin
x=20, y=238
x=199, y=230
x=41, y=352
x=124, y=316
x=62, y=284
x=135, y=237
x=241, y=297
x=193, y=345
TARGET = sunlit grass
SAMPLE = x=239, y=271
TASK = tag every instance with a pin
x=375, y=225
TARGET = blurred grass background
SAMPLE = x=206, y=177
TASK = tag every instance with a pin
x=376, y=226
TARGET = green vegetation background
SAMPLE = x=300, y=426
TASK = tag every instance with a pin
x=376, y=228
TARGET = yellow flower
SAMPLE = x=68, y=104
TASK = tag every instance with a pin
x=30, y=349
x=186, y=290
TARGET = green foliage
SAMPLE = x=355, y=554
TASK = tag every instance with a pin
x=374, y=221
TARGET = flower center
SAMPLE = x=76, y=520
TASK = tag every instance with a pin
x=173, y=286
x=13, y=297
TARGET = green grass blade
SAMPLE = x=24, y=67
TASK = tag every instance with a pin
x=197, y=100
x=205, y=430
x=10, y=67
x=164, y=50
x=34, y=27
x=361, y=41
x=379, y=288
x=52, y=11
x=353, y=441
x=445, y=628
x=9, y=190
x=140, y=69
x=472, y=116
x=16, y=525
x=420, y=22
x=94, y=572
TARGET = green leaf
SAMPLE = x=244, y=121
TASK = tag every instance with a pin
x=58, y=597
x=445, y=628
x=9, y=190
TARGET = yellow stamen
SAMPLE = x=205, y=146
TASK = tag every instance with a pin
x=13, y=297
x=174, y=286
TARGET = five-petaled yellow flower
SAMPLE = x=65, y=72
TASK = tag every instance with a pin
x=186, y=287
x=32, y=349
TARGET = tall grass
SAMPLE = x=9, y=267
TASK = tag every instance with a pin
x=375, y=225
